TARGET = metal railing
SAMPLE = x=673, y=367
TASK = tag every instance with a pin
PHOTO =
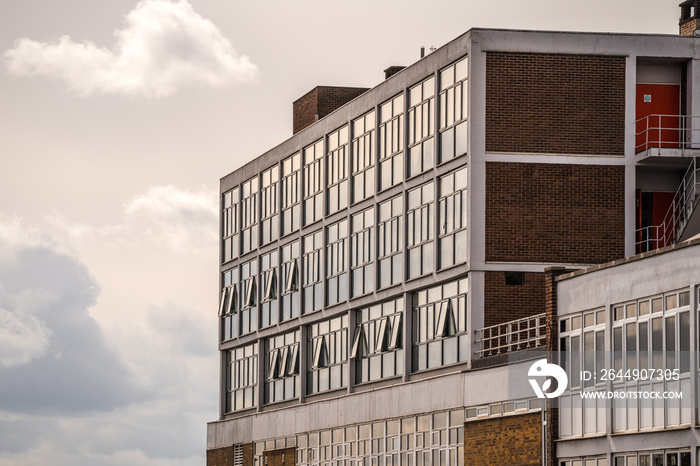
x=667, y=131
x=682, y=206
x=529, y=332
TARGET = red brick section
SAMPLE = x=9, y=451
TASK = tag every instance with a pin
x=224, y=456
x=555, y=103
x=503, y=303
x=554, y=213
x=220, y=457
x=507, y=440
x=550, y=297
x=282, y=457
x=321, y=101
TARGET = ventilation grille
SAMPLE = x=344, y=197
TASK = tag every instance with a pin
x=238, y=455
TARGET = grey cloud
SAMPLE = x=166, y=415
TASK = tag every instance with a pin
x=78, y=372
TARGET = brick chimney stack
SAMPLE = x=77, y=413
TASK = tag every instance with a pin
x=689, y=24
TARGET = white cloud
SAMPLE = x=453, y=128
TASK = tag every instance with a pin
x=165, y=45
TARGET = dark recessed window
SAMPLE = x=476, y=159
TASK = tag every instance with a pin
x=515, y=278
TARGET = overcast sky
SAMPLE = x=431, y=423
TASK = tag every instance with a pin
x=117, y=119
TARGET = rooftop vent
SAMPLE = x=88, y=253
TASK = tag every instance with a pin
x=689, y=23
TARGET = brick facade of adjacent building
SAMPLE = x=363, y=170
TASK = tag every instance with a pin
x=504, y=302
x=282, y=457
x=319, y=102
x=507, y=440
x=555, y=103
x=554, y=213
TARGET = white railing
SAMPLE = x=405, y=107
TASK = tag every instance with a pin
x=667, y=132
x=529, y=332
x=682, y=205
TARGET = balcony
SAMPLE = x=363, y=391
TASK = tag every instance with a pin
x=517, y=335
x=667, y=136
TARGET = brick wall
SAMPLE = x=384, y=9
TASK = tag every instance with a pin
x=555, y=103
x=554, y=213
x=320, y=101
x=275, y=457
x=507, y=440
x=689, y=27
x=220, y=457
x=503, y=303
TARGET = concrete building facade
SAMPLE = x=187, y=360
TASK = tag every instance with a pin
x=386, y=270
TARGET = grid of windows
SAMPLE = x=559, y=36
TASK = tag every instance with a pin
x=289, y=281
x=313, y=279
x=440, y=325
x=390, y=229
x=269, y=220
x=337, y=165
x=362, y=252
x=336, y=267
x=268, y=289
x=421, y=122
x=652, y=333
x=391, y=142
x=228, y=306
x=327, y=354
x=313, y=182
x=229, y=220
x=582, y=347
x=249, y=210
x=377, y=343
x=602, y=461
x=452, y=210
x=363, y=156
x=649, y=458
x=420, y=219
x=241, y=378
x=282, y=367
x=248, y=296
x=291, y=208
x=411, y=441
x=453, y=110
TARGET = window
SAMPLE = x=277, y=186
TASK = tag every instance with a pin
x=420, y=219
x=289, y=281
x=250, y=214
x=337, y=166
x=268, y=289
x=241, y=378
x=582, y=348
x=313, y=182
x=336, y=269
x=327, y=354
x=652, y=333
x=282, y=367
x=391, y=142
x=291, y=210
x=588, y=461
x=421, y=123
x=390, y=242
x=269, y=219
x=228, y=305
x=362, y=252
x=363, y=156
x=453, y=110
x=313, y=280
x=249, y=305
x=378, y=342
x=229, y=219
x=452, y=209
x=440, y=325
x=652, y=458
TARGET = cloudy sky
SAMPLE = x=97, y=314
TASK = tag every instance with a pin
x=117, y=119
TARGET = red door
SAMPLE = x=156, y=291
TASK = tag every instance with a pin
x=658, y=124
